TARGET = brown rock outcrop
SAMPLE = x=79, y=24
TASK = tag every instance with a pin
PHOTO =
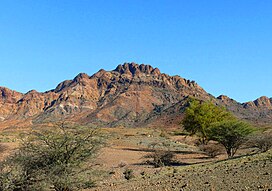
x=263, y=102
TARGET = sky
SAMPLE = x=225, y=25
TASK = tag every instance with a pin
x=224, y=45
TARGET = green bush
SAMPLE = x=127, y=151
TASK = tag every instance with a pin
x=51, y=158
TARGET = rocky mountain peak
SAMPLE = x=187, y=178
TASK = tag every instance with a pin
x=100, y=73
x=136, y=69
x=32, y=92
x=223, y=98
x=263, y=102
x=80, y=77
x=8, y=95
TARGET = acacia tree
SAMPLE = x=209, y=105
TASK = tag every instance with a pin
x=231, y=134
x=51, y=158
x=200, y=115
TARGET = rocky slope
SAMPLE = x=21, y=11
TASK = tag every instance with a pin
x=130, y=95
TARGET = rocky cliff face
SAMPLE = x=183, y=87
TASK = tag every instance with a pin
x=130, y=95
x=8, y=100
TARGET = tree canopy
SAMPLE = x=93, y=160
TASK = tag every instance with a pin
x=231, y=134
x=200, y=115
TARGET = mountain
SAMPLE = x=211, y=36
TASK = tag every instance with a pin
x=130, y=95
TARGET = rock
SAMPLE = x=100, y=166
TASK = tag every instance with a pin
x=263, y=102
x=249, y=105
x=9, y=96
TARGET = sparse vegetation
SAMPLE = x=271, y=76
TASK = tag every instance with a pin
x=51, y=159
x=123, y=160
x=262, y=141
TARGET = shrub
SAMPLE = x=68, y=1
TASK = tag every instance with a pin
x=160, y=158
x=212, y=150
x=50, y=159
x=262, y=141
x=128, y=174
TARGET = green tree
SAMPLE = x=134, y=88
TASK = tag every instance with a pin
x=231, y=134
x=51, y=158
x=200, y=115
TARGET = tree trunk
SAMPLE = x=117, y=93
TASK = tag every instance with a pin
x=230, y=152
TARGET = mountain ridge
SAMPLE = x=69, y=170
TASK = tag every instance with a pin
x=129, y=95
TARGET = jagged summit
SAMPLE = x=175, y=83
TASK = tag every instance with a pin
x=81, y=76
x=261, y=102
x=135, y=69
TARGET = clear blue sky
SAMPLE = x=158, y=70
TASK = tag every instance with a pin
x=224, y=45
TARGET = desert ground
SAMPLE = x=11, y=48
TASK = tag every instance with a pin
x=125, y=149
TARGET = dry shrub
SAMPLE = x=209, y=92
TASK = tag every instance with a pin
x=51, y=159
x=212, y=150
x=262, y=141
x=128, y=174
x=160, y=158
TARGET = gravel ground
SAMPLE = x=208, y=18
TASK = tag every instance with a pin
x=245, y=173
